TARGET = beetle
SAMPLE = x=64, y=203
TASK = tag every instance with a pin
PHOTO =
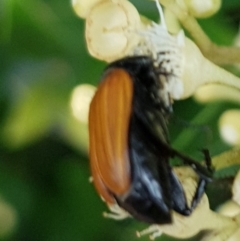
x=129, y=146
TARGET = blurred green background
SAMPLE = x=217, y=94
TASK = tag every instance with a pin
x=45, y=193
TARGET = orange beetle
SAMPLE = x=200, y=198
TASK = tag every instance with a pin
x=129, y=146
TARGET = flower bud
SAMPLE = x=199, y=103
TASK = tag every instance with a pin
x=199, y=71
x=80, y=101
x=215, y=92
x=203, y=8
x=111, y=29
x=236, y=189
x=8, y=219
x=230, y=127
x=229, y=209
x=82, y=7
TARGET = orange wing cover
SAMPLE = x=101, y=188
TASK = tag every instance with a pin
x=109, y=118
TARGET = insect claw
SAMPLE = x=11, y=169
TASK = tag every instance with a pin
x=114, y=216
x=155, y=235
x=116, y=213
x=153, y=230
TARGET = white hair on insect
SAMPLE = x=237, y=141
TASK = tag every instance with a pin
x=166, y=51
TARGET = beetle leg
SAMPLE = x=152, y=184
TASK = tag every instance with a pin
x=179, y=201
x=198, y=193
x=154, y=231
x=208, y=160
x=202, y=180
x=205, y=176
x=116, y=212
x=202, y=171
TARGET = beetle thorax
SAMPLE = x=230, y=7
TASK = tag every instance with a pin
x=166, y=51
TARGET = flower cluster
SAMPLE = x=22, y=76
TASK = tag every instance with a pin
x=115, y=29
